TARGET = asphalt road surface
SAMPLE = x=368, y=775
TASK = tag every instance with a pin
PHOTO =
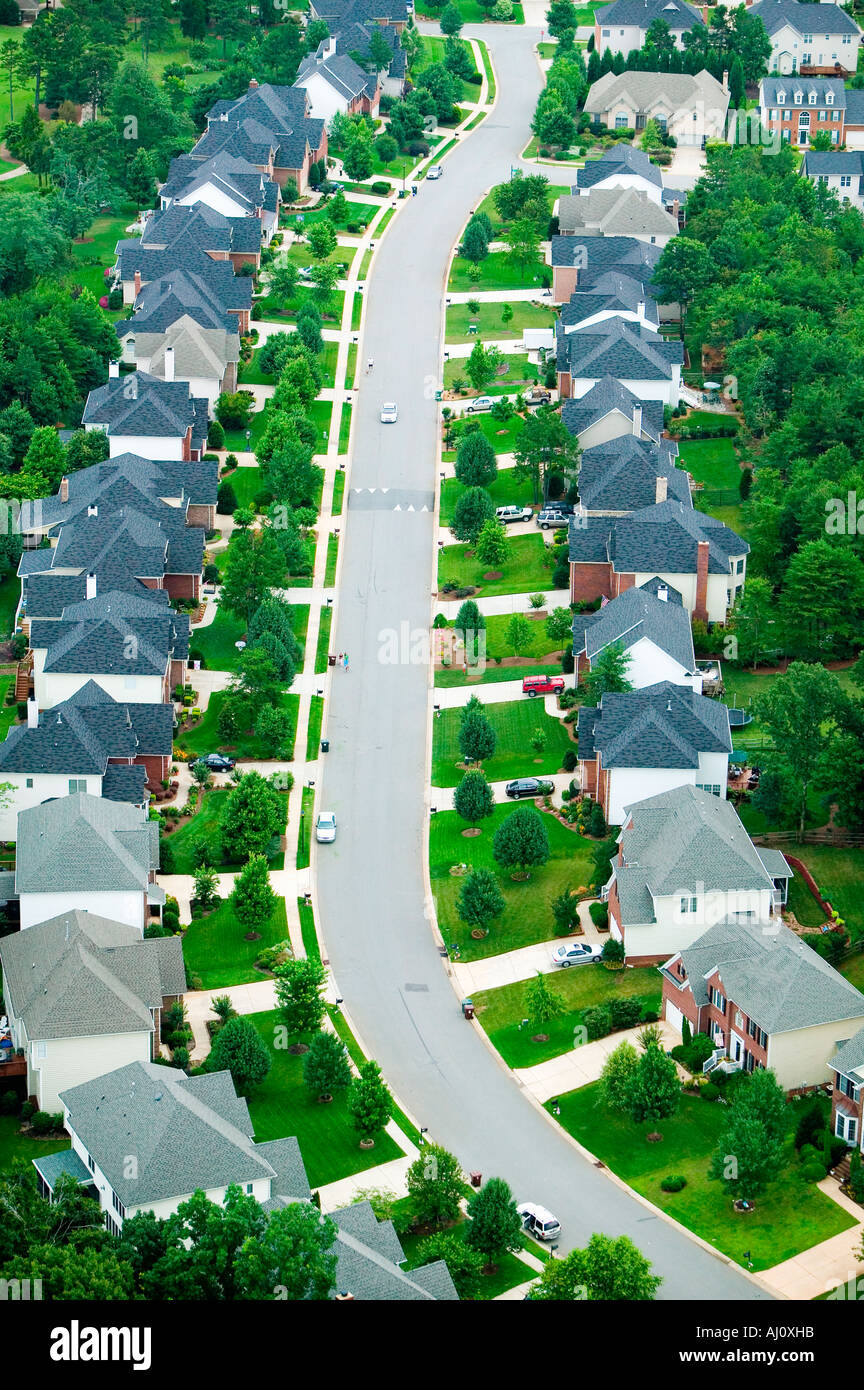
x=370, y=883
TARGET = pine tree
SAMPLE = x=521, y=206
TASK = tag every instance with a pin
x=496, y=1226
x=542, y=1004
x=326, y=1067
x=370, y=1104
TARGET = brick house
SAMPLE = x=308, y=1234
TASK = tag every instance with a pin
x=180, y=237
x=272, y=128
x=334, y=83
x=765, y=998
x=800, y=107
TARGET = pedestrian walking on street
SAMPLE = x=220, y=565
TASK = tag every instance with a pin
x=340, y=659
x=346, y=661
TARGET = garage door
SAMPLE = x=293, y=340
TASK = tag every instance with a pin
x=674, y=1017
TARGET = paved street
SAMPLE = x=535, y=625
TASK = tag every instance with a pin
x=371, y=894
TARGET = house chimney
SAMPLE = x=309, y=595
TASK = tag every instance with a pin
x=640, y=309
x=663, y=594
x=169, y=364
x=726, y=79
x=32, y=715
x=344, y=1297
x=700, y=608
x=91, y=585
x=637, y=421
x=137, y=283
x=676, y=208
x=252, y=84
x=64, y=489
x=662, y=489
x=113, y=370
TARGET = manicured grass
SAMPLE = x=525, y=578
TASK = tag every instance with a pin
x=300, y=254
x=840, y=876
x=497, y=646
x=433, y=52
x=489, y=322
x=338, y=493
x=350, y=366
x=313, y=735
x=356, y=312
x=358, y=1057
x=247, y=483
x=205, y=825
x=17, y=1150
x=215, y=645
x=514, y=722
x=332, y=557
x=321, y=412
x=304, y=840
x=490, y=75
x=527, y=917
x=357, y=212
x=8, y=713
x=471, y=12
x=323, y=645
x=307, y=930
x=282, y=1106
x=805, y=907
x=501, y=1011
x=268, y=310
x=10, y=593
x=497, y=272
x=344, y=429
x=790, y=1217
x=502, y=434
x=514, y=373
x=506, y=491
x=204, y=738
x=712, y=462
x=447, y=680
x=215, y=947
x=853, y=969
x=509, y=1271
x=96, y=252
x=528, y=566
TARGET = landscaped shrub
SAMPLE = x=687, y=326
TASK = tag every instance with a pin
x=215, y=435
x=28, y=1110
x=694, y=1054
x=626, y=1013
x=856, y=1176
x=226, y=499
x=9, y=1103
x=43, y=1122
x=211, y=574
x=597, y=1021
x=570, y=760
x=709, y=1091
x=813, y=1170
x=166, y=857
x=674, y=1183
x=599, y=914
x=380, y=187
x=567, y=661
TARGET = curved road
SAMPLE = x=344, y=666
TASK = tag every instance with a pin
x=370, y=887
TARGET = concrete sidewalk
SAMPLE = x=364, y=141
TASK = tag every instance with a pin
x=581, y=1066
x=825, y=1266
x=492, y=693
x=442, y=797
x=514, y=966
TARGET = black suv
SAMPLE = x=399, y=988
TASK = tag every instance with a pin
x=528, y=786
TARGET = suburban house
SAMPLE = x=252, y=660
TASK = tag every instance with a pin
x=621, y=166
x=647, y=364
x=627, y=474
x=84, y=853
x=691, y=108
x=89, y=743
x=651, y=626
x=272, y=128
x=215, y=281
x=853, y=125
x=688, y=550
x=143, y=415
x=765, y=998
x=128, y=480
x=797, y=108
x=641, y=742
x=847, y=1100
x=609, y=411
x=616, y=212
x=823, y=40
x=583, y=260
x=622, y=26
x=84, y=993
x=205, y=358
x=335, y=83
x=368, y=1259
x=355, y=39
x=233, y=239
x=841, y=171
x=134, y=648
x=231, y=185
x=612, y=295
x=684, y=863
x=181, y=294
x=340, y=14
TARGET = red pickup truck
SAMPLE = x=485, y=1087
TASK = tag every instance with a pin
x=542, y=685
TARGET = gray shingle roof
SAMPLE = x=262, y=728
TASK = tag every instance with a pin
x=613, y=291
x=608, y=395
x=127, y=480
x=51, y=1167
x=621, y=475
x=345, y=76
x=771, y=87
x=663, y=539
x=631, y=617
x=663, y=726
x=246, y=185
x=115, y=634
x=81, y=975
x=849, y=1058
x=368, y=1258
x=683, y=841
x=280, y=111
x=774, y=14
x=83, y=843
x=619, y=348
x=826, y=162
x=188, y=1133
x=854, y=107
x=140, y=404
x=123, y=782
x=614, y=212
x=620, y=159
x=774, y=977
x=594, y=255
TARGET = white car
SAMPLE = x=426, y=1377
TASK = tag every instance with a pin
x=574, y=953
x=506, y=514
x=325, y=828
x=434, y=171
x=539, y=1222
x=389, y=413
x=479, y=403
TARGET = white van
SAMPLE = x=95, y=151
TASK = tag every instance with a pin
x=538, y=1222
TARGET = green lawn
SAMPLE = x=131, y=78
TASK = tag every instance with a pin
x=501, y=1011
x=527, y=567
x=790, y=1217
x=204, y=738
x=247, y=482
x=8, y=713
x=507, y=490
x=344, y=429
x=304, y=839
x=323, y=645
x=433, y=52
x=840, y=876
x=267, y=309
x=338, y=492
x=471, y=12
x=509, y=1271
x=502, y=435
x=515, y=372
x=527, y=917
x=853, y=969
x=313, y=736
x=350, y=366
x=538, y=646
x=448, y=680
x=18, y=1149
x=215, y=947
x=282, y=1107
x=10, y=593
x=361, y=213
x=514, y=722
x=712, y=462
x=490, y=75
x=332, y=557
x=96, y=252
x=497, y=272
x=489, y=322
x=205, y=825
x=356, y=312
x=214, y=645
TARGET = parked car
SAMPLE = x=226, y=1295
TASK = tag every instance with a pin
x=538, y=395
x=506, y=514
x=539, y=1222
x=542, y=685
x=479, y=403
x=389, y=413
x=435, y=171
x=528, y=786
x=325, y=828
x=216, y=762
x=576, y=953
x=558, y=505
x=551, y=516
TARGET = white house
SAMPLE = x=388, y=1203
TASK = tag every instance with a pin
x=141, y=414
x=684, y=862
x=621, y=166
x=85, y=995
x=841, y=171
x=609, y=411
x=622, y=26
x=641, y=742
x=336, y=85
x=83, y=852
x=819, y=37
x=651, y=626
x=645, y=363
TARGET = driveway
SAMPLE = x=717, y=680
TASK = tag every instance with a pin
x=375, y=910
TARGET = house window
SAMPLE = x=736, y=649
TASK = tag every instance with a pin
x=812, y=99
x=41, y=1051
x=808, y=38
x=717, y=999
x=662, y=122
x=798, y=98
x=804, y=120
x=781, y=97
x=829, y=98
x=621, y=122
x=845, y=180
x=249, y=1187
x=90, y=1164
x=129, y=682
x=805, y=58
x=117, y=1204
x=739, y=566
x=835, y=115
x=712, y=787
x=606, y=33
x=847, y=1087
x=29, y=781
x=77, y=784
x=846, y=1127
x=835, y=136
x=689, y=904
